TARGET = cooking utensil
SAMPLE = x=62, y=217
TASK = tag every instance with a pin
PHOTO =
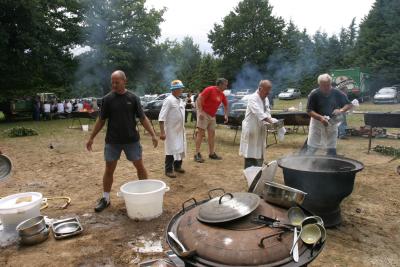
x=312, y=220
x=282, y=195
x=296, y=247
x=296, y=216
x=325, y=184
x=216, y=245
x=36, y=238
x=323, y=232
x=31, y=226
x=66, y=228
x=184, y=252
x=228, y=207
x=5, y=167
x=310, y=234
x=264, y=174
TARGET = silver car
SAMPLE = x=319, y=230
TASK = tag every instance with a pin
x=290, y=93
x=387, y=95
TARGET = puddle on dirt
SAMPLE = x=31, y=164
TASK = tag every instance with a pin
x=146, y=245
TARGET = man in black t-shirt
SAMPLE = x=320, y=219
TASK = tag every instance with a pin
x=121, y=108
x=323, y=104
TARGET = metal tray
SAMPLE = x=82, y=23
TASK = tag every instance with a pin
x=66, y=228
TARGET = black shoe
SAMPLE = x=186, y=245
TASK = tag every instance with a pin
x=170, y=174
x=180, y=170
x=214, y=156
x=102, y=204
x=198, y=158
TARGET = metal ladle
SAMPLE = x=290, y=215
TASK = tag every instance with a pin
x=296, y=216
x=184, y=252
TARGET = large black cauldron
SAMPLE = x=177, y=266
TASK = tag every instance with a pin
x=326, y=180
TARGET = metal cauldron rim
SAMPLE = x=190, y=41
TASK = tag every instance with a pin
x=358, y=166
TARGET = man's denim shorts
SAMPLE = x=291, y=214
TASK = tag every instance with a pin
x=133, y=151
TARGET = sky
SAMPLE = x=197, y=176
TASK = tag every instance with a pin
x=196, y=18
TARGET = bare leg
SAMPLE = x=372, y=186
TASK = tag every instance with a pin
x=211, y=140
x=108, y=176
x=141, y=170
x=199, y=138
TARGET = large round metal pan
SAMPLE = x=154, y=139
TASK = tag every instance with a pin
x=5, y=167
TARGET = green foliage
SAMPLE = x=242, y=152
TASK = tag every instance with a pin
x=248, y=35
x=35, y=38
x=20, y=132
x=120, y=34
x=387, y=150
x=378, y=44
x=206, y=74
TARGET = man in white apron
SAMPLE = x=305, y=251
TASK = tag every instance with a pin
x=172, y=127
x=325, y=103
x=252, y=140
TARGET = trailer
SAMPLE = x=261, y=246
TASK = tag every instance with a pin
x=356, y=81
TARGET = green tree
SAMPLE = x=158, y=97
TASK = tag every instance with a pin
x=248, y=35
x=206, y=74
x=378, y=45
x=120, y=34
x=35, y=41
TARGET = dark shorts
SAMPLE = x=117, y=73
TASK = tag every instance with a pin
x=133, y=151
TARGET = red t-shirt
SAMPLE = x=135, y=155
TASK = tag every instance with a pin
x=212, y=98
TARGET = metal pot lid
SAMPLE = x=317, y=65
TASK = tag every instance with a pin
x=5, y=167
x=228, y=207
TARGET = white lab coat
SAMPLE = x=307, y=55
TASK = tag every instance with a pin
x=320, y=136
x=173, y=115
x=252, y=140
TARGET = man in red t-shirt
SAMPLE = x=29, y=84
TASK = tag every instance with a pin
x=207, y=105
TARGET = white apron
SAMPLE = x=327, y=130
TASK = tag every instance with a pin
x=252, y=140
x=320, y=136
x=173, y=115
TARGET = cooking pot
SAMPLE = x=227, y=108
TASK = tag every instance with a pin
x=326, y=179
x=240, y=242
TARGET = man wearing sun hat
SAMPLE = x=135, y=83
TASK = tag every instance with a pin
x=172, y=127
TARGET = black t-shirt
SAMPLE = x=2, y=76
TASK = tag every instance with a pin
x=326, y=104
x=121, y=112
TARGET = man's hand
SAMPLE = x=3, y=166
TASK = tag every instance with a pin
x=89, y=144
x=155, y=141
x=337, y=112
x=324, y=121
x=225, y=119
x=163, y=136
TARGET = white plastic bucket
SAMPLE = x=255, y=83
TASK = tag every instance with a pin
x=144, y=198
x=13, y=213
x=85, y=127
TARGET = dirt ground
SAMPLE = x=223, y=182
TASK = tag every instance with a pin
x=369, y=235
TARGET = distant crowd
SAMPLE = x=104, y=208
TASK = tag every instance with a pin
x=57, y=108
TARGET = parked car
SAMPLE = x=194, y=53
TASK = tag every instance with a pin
x=387, y=95
x=290, y=93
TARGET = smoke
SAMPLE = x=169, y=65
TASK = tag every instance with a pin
x=247, y=78
x=282, y=69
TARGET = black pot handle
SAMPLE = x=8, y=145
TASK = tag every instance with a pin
x=215, y=189
x=190, y=199
x=226, y=194
x=279, y=234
